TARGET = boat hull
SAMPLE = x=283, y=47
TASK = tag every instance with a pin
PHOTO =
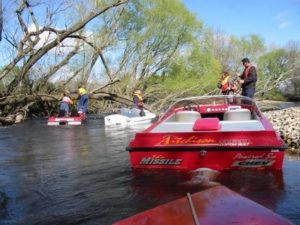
x=216, y=159
x=214, y=150
x=57, y=121
x=118, y=120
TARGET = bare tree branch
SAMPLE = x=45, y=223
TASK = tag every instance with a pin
x=58, y=66
x=60, y=37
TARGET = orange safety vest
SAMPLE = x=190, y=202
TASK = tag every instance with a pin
x=225, y=84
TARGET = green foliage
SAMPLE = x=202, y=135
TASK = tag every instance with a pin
x=247, y=46
x=275, y=63
x=273, y=67
x=155, y=30
x=275, y=95
x=194, y=73
x=9, y=78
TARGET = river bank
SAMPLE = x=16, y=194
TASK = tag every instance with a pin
x=287, y=122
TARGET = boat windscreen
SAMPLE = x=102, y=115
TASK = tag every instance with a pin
x=194, y=102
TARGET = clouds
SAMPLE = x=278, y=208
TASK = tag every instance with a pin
x=283, y=19
x=62, y=48
x=284, y=24
x=46, y=37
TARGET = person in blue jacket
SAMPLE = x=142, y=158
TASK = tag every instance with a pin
x=83, y=101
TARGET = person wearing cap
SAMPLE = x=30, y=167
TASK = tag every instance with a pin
x=138, y=102
x=248, y=79
x=64, y=107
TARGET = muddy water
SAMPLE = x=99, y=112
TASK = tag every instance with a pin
x=82, y=175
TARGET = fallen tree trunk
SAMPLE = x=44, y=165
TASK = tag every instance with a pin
x=8, y=120
x=23, y=104
x=18, y=117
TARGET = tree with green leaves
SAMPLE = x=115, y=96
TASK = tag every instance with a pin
x=274, y=67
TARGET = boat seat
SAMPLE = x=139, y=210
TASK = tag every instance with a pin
x=207, y=124
x=236, y=114
x=187, y=116
x=130, y=112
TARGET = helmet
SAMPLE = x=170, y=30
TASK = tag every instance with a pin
x=138, y=92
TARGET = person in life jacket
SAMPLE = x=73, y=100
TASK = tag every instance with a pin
x=64, y=108
x=138, y=102
x=83, y=101
x=227, y=84
x=248, y=79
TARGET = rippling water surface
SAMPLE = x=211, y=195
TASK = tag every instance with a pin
x=82, y=175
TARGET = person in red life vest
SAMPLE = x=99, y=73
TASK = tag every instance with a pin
x=248, y=79
x=138, y=101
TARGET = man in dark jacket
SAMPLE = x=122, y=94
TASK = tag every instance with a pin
x=248, y=79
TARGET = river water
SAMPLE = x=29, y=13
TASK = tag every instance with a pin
x=82, y=175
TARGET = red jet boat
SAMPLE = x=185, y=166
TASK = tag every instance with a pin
x=70, y=120
x=214, y=206
x=215, y=132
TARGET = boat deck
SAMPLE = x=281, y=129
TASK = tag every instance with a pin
x=251, y=125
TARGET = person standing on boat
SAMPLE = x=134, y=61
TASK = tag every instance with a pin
x=83, y=101
x=227, y=85
x=248, y=79
x=64, y=107
x=138, y=102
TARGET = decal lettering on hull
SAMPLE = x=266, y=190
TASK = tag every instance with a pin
x=253, y=163
x=193, y=140
x=264, y=159
x=232, y=142
x=160, y=161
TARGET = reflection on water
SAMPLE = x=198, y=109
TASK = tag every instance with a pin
x=82, y=175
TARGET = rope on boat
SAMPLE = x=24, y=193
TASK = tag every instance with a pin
x=193, y=209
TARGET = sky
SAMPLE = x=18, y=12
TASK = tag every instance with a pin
x=276, y=21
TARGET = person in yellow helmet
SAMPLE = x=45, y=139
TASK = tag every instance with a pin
x=83, y=101
x=138, y=101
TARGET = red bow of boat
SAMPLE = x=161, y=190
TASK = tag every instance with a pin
x=214, y=206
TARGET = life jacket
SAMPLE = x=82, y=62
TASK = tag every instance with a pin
x=82, y=91
x=247, y=71
x=225, y=84
x=140, y=97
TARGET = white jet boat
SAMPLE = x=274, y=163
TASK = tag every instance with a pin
x=128, y=117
